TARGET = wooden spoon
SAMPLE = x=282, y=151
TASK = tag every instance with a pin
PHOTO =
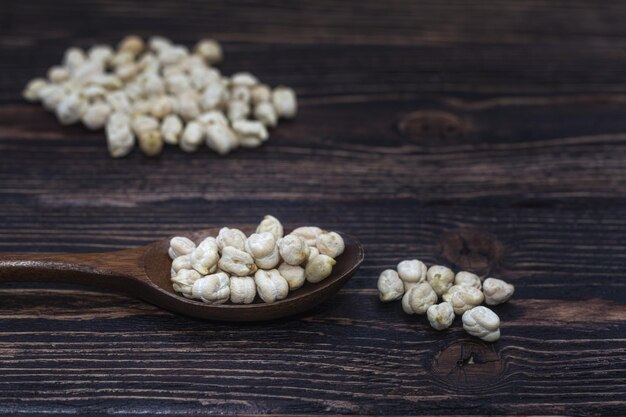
x=144, y=272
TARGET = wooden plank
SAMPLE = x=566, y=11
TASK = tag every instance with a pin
x=508, y=152
x=488, y=136
x=561, y=349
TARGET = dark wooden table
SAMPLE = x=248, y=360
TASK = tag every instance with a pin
x=489, y=137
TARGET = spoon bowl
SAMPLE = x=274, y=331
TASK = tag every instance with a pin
x=144, y=272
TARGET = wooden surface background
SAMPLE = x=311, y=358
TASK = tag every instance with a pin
x=484, y=135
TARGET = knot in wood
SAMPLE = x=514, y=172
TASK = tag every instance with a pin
x=467, y=364
x=432, y=124
x=472, y=250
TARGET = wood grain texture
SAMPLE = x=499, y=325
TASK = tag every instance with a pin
x=489, y=136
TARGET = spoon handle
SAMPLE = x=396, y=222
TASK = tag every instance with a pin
x=121, y=270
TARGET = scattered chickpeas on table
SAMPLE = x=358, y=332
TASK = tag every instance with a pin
x=158, y=93
x=420, y=288
x=233, y=266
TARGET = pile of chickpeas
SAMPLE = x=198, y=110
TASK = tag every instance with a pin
x=156, y=92
x=268, y=263
x=420, y=287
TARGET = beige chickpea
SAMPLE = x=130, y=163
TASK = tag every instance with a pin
x=149, y=63
x=143, y=123
x=181, y=262
x=497, y=291
x=467, y=278
x=465, y=298
x=231, y=237
x=152, y=85
x=91, y=72
x=32, y=90
x=264, y=112
x=107, y=81
x=58, y=74
x=183, y=281
x=132, y=43
x=96, y=115
x=308, y=233
x=242, y=290
x=192, y=137
x=177, y=83
x=250, y=130
x=127, y=71
x=93, y=92
x=150, y=142
x=259, y=245
x=148, y=132
x=313, y=252
x=482, y=323
x=284, y=101
x=240, y=93
x=213, y=97
x=237, y=110
x=161, y=106
x=418, y=299
x=319, y=268
x=172, y=55
x=390, y=286
x=157, y=43
x=212, y=289
x=293, y=274
x=209, y=240
x=440, y=278
x=293, y=249
x=204, y=258
x=70, y=109
x=236, y=262
x=447, y=296
x=330, y=244
x=210, y=50
x=202, y=77
x=272, y=225
x=120, y=138
x=244, y=79
x=171, y=129
x=51, y=95
x=260, y=93
x=193, y=62
x=186, y=105
x=198, y=70
x=176, y=69
x=212, y=117
x=180, y=246
x=118, y=100
x=271, y=286
x=440, y=316
x=73, y=58
x=412, y=272
x=134, y=91
x=262, y=247
x=249, y=142
x=100, y=53
x=121, y=58
x=220, y=138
